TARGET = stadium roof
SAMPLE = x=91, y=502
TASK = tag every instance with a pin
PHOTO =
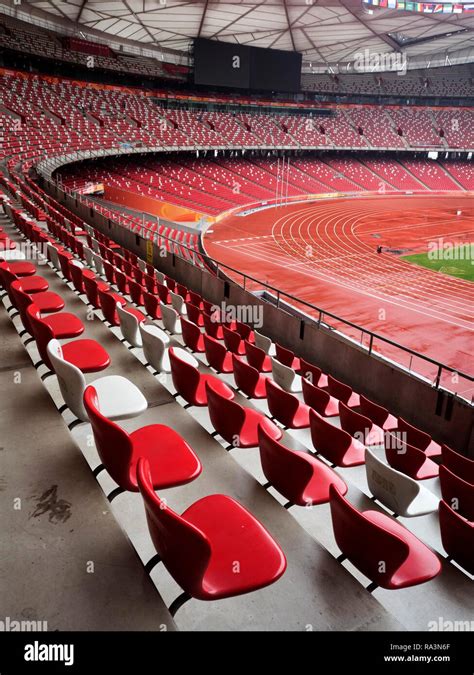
x=326, y=32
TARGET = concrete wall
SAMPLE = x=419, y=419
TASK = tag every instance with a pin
x=446, y=418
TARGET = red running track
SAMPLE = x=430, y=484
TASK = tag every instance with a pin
x=324, y=252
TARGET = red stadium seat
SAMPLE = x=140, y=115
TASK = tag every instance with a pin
x=369, y=537
x=298, y=476
x=108, y=304
x=319, y=400
x=257, y=358
x=457, y=493
x=247, y=379
x=286, y=407
x=197, y=545
x=190, y=383
x=314, y=374
x=192, y=336
x=236, y=424
x=334, y=444
x=152, y=305
x=218, y=357
x=194, y=314
x=457, y=535
x=46, y=301
x=287, y=357
x=172, y=461
x=378, y=414
x=419, y=439
x=458, y=464
x=360, y=426
x=343, y=392
x=409, y=460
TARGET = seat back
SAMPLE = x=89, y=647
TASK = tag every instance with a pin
x=182, y=291
x=41, y=332
x=457, y=493
x=354, y=423
x=328, y=440
x=284, y=355
x=155, y=342
x=129, y=326
x=7, y=277
x=262, y=341
x=171, y=319
x=91, y=289
x=160, y=277
x=457, y=535
x=150, y=283
x=289, y=472
x=89, y=257
x=211, y=324
x=283, y=375
x=194, y=313
x=152, y=305
x=136, y=292
x=109, y=270
x=338, y=389
x=419, y=439
x=245, y=376
x=53, y=256
x=458, y=464
x=108, y=304
x=232, y=339
x=195, y=298
x=113, y=444
x=185, y=377
x=393, y=488
x=64, y=259
x=76, y=268
x=21, y=301
x=255, y=355
x=227, y=416
x=314, y=397
x=281, y=404
x=191, y=334
x=121, y=280
x=163, y=293
x=366, y=543
x=310, y=372
x=72, y=382
x=183, y=548
x=244, y=330
x=215, y=352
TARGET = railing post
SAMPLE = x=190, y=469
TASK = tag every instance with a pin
x=371, y=342
x=438, y=376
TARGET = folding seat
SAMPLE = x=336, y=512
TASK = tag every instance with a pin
x=178, y=303
x=122, y=282
x=287, y=357
x=92, y=288
x=195, y=299
x=172, y=461
x=46, y=301
x=245, y=332
x=194, y=314
x=285, y=376
x=171, y=319
x=109, y=271
x=457, y=493
x=150, y=284
x=213, y=326
x=129, y=319
x=233, y=341
x=369, y=537
x=247, y=379
x=397, y=491
x=31, y=284
x=88, y=355
x=335, y=444
x=155, y=347
x=136, y=292
x=76, y=269
x=192, y=336
x=64, y=258
x=19, y=268
x=208, y=307
x=218, y=357
x=298, y=476
x=457, y=535
x=458, y=464
x=163, y=293
x=118, y=397
x=236, y=424
x=419, y=439
x=319, y=399
x=160, y=277
x=189, y=382
x=264, y=342
x=409, y=460
x=257, y=358
x=343, y=392
x=360, y=427
x=286, y=407
x=98, y=264
x=152, y=305
x=313, y=374
x=378, y=414
x=137, y=275
x=195, y=545
x=108, y=304
x=183, y=292
x=170, y=283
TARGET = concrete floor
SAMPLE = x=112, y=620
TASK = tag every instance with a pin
x=316, y=592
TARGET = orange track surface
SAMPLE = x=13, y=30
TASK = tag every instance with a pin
x=324, y=252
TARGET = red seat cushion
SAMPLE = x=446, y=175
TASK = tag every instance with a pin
x=22, y=269
x=64, y=325
x=48, y=301
x=248, y=436
x=87, y=355
x=218, y=385
x=34, y=284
